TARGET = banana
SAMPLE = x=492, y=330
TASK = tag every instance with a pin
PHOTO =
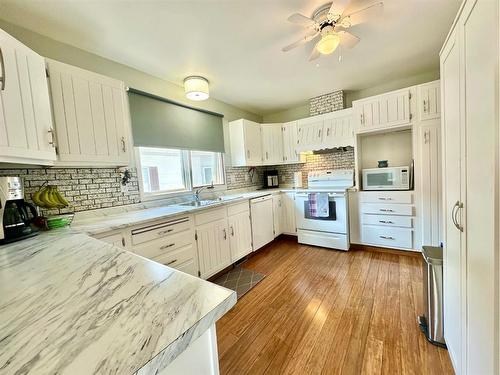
x=54, y=199
x=45, y=197
x=36, y=198
x=59, y=197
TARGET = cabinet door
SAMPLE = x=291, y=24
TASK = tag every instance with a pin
x=430, y=179
x=91, y=117
x=288, y=213
x=290, y=139
x=116, y=239
x=310, y=133
x=272, y=144
x=277, y=214
x=213, y=247
x=429, y=101
x=454, y=257
x=240, y=235
x=253, y=142
x=25, y=117
x=338, y=132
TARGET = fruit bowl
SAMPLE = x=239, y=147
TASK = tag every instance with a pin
x=60, y=221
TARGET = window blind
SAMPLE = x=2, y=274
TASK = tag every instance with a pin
x=160, y=122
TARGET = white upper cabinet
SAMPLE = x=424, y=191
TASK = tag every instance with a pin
x=25, y=118
x=91, y=117
x=272, y=144
x=290, y=139
x=310, y=133
x=429, y=101
x=246, y=143
x=383, y=111
x=338, y=129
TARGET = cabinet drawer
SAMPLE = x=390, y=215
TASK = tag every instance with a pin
x=238, y=208
x=177, y=257
x=190, y=267
x=162, y=246
x=387, y=197
x=387, y=236
x=387, y=209
x=388, y=220
x=160, y=229
x=210, y=215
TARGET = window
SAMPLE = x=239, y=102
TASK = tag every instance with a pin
x=206, y=167
x=165, y=171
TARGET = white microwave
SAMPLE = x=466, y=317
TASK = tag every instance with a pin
x=391, y=178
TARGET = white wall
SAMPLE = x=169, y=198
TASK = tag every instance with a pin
x=396, y=147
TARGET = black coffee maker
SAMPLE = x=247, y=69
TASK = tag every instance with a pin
x=16, y=215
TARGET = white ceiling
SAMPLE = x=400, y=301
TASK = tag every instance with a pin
x=236, y=44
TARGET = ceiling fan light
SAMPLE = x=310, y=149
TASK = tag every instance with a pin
x=328, y=43
x=196, y=88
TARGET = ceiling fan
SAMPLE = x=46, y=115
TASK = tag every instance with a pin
x=331, y=22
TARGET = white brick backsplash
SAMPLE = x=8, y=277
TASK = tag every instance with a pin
x=330, y=102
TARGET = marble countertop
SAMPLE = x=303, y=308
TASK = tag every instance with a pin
x=71, y=304
x=96, y=225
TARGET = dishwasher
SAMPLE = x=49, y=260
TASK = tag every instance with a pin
x=261, y=212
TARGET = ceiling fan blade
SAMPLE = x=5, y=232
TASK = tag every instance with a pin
x=314, y=54
x=305, y=39
x=362, y=15
x=337, y=9
x=347, y=40
x=301, y=19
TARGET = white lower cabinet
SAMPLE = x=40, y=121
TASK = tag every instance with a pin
x=288, y=214
x=277, y=214
x=213, y=247
x=240, y=230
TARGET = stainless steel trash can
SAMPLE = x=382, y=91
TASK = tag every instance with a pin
x=431, y=322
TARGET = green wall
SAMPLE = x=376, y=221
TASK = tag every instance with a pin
x=132, y=77
x=302, y=110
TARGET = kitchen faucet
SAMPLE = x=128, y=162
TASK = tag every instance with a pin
x=198, y=191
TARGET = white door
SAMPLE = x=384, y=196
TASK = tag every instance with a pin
x=213, y=247
x=310, y=133
x=240, y=235
x=429, y=101
x=290, y=139
x=480, y=89
x=262, y=221
x=339, y=131
x=272, y=144
x=429, y=143
x=288, y=213
x=454, y=257
x=25, y=117
x=277, y=214
x=253, y=142
x=91, y=116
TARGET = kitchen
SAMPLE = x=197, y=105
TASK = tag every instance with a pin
x=153, y=223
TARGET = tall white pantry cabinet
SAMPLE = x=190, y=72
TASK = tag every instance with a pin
x=470, y=133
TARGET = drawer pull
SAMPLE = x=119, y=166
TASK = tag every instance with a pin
x=232, y=231
x=165, y=232
x=387, y=237
x=386, y=210
x=386, y=222
x=385, y=198
x=167, y=246
x=171, y=262
x=225, y=233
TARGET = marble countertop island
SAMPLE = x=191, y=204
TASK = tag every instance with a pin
x=71, y=304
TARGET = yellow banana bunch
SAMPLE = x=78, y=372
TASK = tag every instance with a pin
x=49, y=197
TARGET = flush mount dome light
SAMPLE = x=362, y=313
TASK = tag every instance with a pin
x=329, y=41
x=196, y=88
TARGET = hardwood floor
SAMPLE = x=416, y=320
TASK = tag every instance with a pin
x=322, y=311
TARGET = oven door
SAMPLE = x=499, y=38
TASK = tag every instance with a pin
x=335, y=223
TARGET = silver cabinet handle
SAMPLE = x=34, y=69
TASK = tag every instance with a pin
x=387, y=237
x=2, y=78
x=232, y=231
x=165, y=232
x=225, y=233
x=123, y=242
x=167, y=246
x=386, y=210
x=385, y=198
x=171, y=262
x=319, y=133
x=52, y=137
x=425, y=106
x=386, y=222
x=328, y=132
x=454, y=213
x=248, y=154
x=124, y=148
x=267, y=155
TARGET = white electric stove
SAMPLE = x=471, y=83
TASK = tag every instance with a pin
x=331, y=231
